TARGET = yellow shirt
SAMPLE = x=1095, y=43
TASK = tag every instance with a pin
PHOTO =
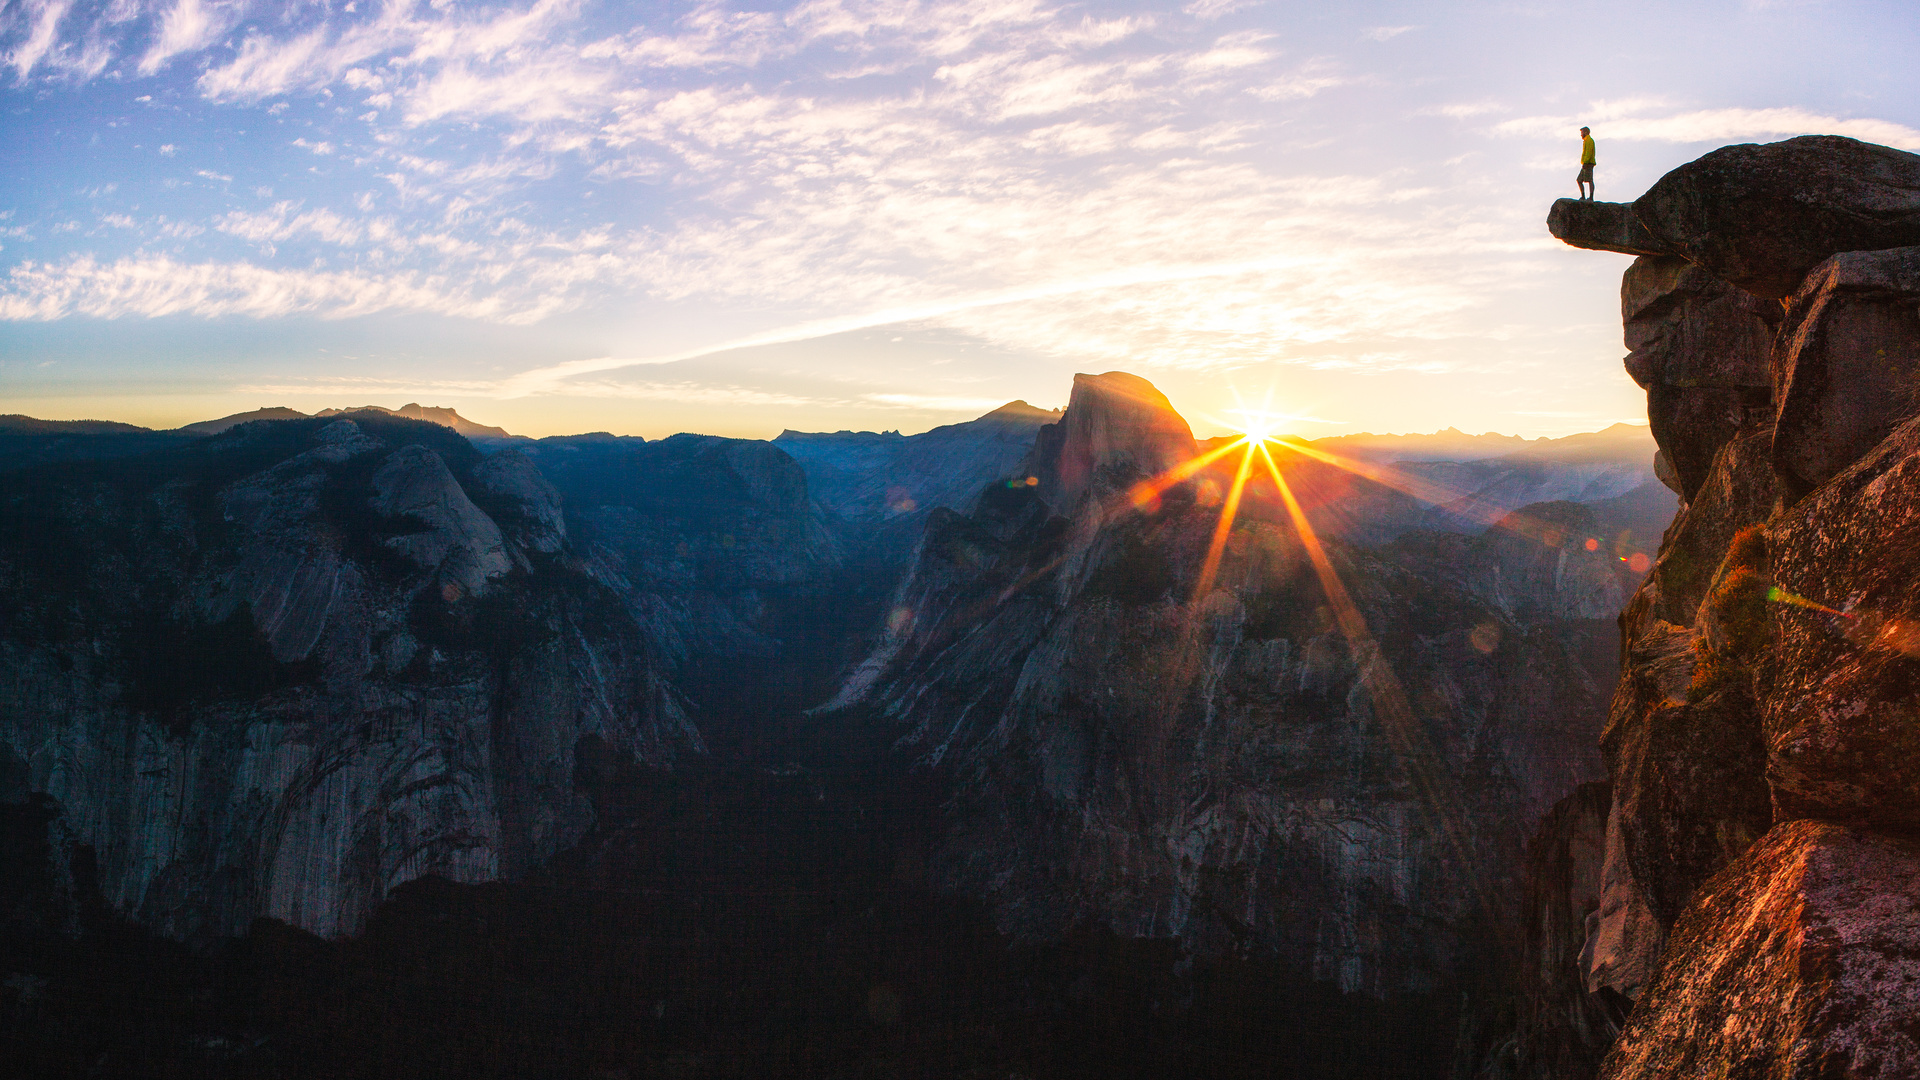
x=1586, y=150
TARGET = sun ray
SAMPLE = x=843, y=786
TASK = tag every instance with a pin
x=1228, y=511
x=1431, y=777
x=1148, y=490
x=1460, y=503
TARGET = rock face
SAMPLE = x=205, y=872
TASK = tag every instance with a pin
x=1125, y=427
x=531, y=503
x=1761, y=216
x=1842, y=728
x=285, y=669
x=1845, y=369
x=1756, y=901
x=1563, y=1031
x=458, y=541
x=1801, y=960
x=1602, y=226
x=1699, y=347
x=1225, y=765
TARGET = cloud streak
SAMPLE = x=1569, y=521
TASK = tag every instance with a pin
x=1718, y=126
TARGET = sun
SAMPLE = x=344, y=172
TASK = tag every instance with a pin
x=1257, y=427
x=1257, y=430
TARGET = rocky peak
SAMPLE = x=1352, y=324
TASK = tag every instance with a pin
x=446, y=418
x=1118, y=429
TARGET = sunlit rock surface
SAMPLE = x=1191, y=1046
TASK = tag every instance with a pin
x=1231, y=770
x=1124, y=427
x=1842, y=725
x=1799, y=961
x=283, y=670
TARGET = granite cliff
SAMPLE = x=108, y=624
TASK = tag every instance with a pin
x=1755, y=912
x=285, y=669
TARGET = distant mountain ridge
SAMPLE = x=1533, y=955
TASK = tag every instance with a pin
x=14, y=423
x=1618, y=442
x=445, y=417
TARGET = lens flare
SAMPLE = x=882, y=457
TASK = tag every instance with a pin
x=1781, y=596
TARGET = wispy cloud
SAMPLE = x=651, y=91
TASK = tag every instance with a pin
x=151, y=286
x=1632, y=121
x=188, y=27
x=1094, y=186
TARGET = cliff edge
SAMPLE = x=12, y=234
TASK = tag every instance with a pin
x=1755, y=910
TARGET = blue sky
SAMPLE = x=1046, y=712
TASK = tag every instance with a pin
x=736, y=218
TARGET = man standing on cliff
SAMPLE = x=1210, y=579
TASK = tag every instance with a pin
x=1585, y=180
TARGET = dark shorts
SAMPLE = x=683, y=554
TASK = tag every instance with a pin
x=1586, y=175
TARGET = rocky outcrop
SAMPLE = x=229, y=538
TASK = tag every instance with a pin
x=285, y=669
x=455, y=540
x=1755, y=900
x=1217, y=755
x=1799, y=961
x=1842, y=728
x=1762, y=216
x=1602, y=226
x=527, y=506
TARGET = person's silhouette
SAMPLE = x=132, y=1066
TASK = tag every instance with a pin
x=1585, y=180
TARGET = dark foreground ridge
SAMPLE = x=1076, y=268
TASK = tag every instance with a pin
x=766, y=916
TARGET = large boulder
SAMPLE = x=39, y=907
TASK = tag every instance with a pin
x=1762, y=216
x=1801, y=961
x=1685, y=327
x=1847, y=364
x=1842, y=723
x=1699, y=347
x=1602, y=226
